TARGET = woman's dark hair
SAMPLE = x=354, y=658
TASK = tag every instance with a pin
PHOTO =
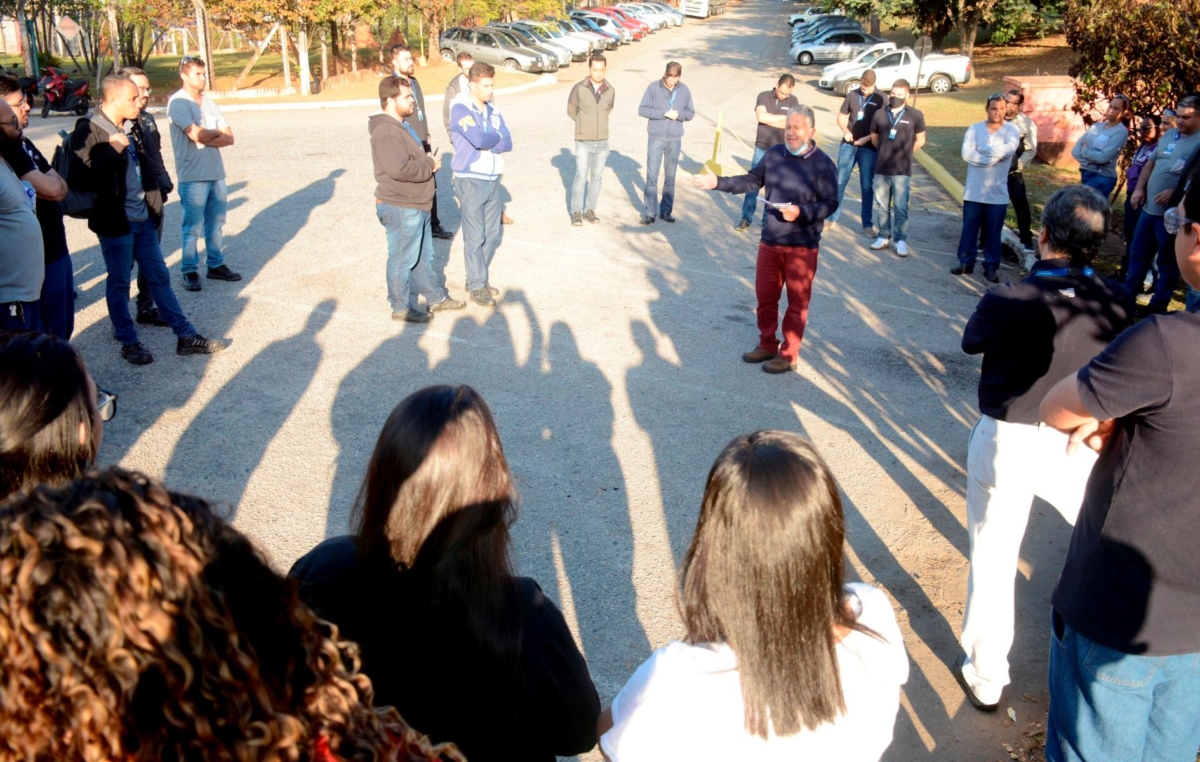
x=438, y=500
x=764, y=575
x=44, y=397
x=135, y=624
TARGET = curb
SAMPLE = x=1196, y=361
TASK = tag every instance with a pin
x=939, y=173
x=229, y=106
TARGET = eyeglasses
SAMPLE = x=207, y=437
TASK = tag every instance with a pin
x=143, y=90
x=14, y=123
x=1173, y=221
x=106, y=404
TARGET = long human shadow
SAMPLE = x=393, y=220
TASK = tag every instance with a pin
x=564, y=162
x=250, y=409
x=629, y=173
x=148, y=392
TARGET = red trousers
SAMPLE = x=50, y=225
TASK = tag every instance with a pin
x=779, y=266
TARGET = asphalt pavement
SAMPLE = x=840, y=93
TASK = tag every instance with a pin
x=612, y=366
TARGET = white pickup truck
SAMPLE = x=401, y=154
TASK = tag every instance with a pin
x=938, y=72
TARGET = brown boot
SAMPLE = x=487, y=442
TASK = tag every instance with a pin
x=779, y=365
x=758, y=355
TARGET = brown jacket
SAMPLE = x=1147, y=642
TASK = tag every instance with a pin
x=403, y=171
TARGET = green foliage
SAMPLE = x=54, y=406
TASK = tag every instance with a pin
x=1146, y=49
x=1008, y=18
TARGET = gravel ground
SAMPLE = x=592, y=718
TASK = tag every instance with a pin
x=612, y=366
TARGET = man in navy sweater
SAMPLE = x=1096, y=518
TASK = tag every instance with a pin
x=801, y=184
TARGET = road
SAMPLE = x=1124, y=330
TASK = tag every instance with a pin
x=612, y=366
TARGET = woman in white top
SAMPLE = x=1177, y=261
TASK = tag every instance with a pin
x=781, y=659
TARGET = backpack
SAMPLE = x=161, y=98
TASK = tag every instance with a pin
x=67, y=164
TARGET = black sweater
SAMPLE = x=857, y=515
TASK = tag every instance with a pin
x=441, y=681
x=808, y=180
x=101, y=170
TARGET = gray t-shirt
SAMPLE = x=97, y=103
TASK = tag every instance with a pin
x=193, y=162
x=22, y=263
x=1169, y=158
x=135, y=193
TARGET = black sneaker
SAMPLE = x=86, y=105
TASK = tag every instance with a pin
x=962, y=270
x=666, y=217
x=989, y=274
x=742, y=226
x=151, y=317
x=590, y=216
x=191, y=282
x=577, y=219
x=483, y=297
x=136, y=354
x=223, y=273
x=412, y=316
x=198, y=345
x=442, y=233
x=447, y=304
x=646, y=220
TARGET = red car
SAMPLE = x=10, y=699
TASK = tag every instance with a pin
x=636, y=27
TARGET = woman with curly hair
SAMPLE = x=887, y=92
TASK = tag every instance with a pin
x=783, y=660
x=137, y=625
x=50, y=421
x=463, y=648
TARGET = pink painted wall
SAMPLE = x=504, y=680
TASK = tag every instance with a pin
x=1048, y=101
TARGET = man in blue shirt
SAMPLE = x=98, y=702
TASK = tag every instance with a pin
x=667, y=104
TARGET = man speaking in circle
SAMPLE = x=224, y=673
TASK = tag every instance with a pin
x=801, y=184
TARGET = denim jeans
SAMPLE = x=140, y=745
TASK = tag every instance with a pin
x=144, y=302
x=850, y=155
x=751, y=199
x=989, y=217
x=410, y=247
x=590, y=156
x=662, y=152
x=21, y=316
x=1110, y=705
x=58, y=298
x=204, y=207
x=1131, y=219
x=140, y=244
x=1102, y=183
x=891, y=193
x=480, y=202
x=1151, y=241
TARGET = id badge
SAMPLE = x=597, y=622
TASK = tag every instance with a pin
x=860, y=115
x=892, y=134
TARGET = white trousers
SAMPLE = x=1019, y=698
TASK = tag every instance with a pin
x=1008, y=464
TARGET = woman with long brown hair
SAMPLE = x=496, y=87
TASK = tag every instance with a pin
x=136, y=625
x=783, y=660
x=465, y=649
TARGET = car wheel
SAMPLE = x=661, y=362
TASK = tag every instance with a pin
x=448, y=55
x=851, y=86
x=511, y=64
x=804, y=59
x=940, y=84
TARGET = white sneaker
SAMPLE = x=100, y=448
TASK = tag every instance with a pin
x=880, y=243
x=901, y=249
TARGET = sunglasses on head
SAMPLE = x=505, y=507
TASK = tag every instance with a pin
x=106, y=404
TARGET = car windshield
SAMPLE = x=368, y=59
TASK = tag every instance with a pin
x=554, y=33
x=871, y=55
x=508, y=39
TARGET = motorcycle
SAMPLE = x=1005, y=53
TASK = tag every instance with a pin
x=63, y=94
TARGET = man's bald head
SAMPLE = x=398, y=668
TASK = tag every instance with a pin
x=119, y=98
x=113, y=86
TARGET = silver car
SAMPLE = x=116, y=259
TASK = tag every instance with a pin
x=525, y=38
x=495, y=47
x=834, y=45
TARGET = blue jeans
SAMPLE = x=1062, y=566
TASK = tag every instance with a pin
x=751, y=199
x=120, y=252
x=1150, y=240
x=1102, y=183
x=891, y=192
x=21, y=316
x=848, y=156
x=590, y=156
x=410, y=247
x=480, y=209
x=989, y=217
x=662, y=152
x=58, y=298
x=204, y=207
x=1110, y=705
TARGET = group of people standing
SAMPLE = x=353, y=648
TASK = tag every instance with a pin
x=117, y=171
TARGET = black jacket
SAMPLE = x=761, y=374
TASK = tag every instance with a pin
x=101, y=170
x=146, y=132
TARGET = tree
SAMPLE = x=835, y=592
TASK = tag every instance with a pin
x=142, y=23
x=1146, y=49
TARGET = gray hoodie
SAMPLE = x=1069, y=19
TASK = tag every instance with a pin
x=403, y=171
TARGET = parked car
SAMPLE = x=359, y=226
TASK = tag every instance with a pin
x=670, y=17
x=938, y=72
x=552, y=35
x=675, y=12
x=834, y=45
x=613, y=37
x=811, y=14
x=655, y=20
x=493, y=46
x=824, y=25
x=627, y=21
x=559, y=54
x=866, y=57
x=599, y=41
x=606, y=23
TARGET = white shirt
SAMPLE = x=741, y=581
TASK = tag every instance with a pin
x=988, y=156
x=685, y=701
